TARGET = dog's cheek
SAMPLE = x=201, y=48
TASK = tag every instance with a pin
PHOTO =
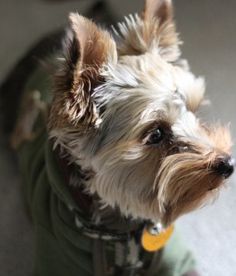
x=128, y=184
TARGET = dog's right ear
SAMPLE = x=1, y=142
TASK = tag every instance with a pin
x=87, y=49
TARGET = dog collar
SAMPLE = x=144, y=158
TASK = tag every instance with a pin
x=97, y=232
x=155, y=237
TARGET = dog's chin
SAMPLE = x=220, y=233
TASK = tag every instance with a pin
x=171, y=212
x=152, y=210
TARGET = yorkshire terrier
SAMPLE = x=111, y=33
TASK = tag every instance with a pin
x=123, y=154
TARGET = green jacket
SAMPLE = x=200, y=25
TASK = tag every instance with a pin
x=61, y=247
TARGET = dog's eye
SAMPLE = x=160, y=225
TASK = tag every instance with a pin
x=155, y=137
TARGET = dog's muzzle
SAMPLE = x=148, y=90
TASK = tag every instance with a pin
x=225, y=166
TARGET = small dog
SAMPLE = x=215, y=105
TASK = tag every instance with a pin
x=130, y=156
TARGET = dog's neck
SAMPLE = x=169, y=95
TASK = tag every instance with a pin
x=98, y=214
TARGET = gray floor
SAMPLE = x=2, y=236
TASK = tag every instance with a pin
x=209, y=30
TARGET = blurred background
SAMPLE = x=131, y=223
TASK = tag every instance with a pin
x=208, y=29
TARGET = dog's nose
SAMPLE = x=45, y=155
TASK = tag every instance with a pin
x=225, y=166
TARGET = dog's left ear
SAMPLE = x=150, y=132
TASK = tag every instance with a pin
x=153, y=30
x=87, y=49
x=159, y=9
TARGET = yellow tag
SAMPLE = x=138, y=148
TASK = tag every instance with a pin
x=154, y=242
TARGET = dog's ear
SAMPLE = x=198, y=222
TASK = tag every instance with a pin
x=87, y=49
x=160, y=9
x=153, y=30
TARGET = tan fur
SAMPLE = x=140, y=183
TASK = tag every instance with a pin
x=75, y=105
x=185, y=182
x=162, y=10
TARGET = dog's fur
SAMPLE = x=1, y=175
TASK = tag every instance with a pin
x=112, y=96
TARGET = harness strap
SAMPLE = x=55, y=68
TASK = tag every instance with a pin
x=99, y=258
x=155, y=264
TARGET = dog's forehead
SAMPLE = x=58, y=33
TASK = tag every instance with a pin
x=162, y=85
x=157, y=78
x=147, y=89
x=150, y=70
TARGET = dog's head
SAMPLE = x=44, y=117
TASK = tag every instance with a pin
x=125, y=109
